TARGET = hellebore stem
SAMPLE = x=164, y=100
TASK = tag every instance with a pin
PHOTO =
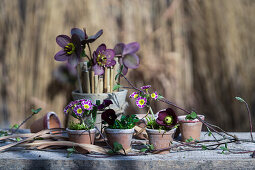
x=249, y=113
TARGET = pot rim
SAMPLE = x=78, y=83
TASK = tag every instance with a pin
x=81, y=131
x=108, y=130
x=182, y=119
x=47, y=118
x=75, y=92
x=161, y=131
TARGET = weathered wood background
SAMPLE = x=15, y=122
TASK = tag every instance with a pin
x=198, y=54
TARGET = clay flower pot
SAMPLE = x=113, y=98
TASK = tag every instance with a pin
x=160, y=139
x=122, y=136
x=48, y=121
x=190, y=128
x=82, y=136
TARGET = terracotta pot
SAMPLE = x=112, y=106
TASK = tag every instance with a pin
x=122, y=136
x=82, y=136
x=190, y=128
x=48, y=121
x=160, y=139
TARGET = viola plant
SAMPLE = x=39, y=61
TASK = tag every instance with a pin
x=126, y=121
x=85, y=111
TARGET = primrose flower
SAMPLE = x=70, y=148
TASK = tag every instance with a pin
x=109, y=116
x=134, y=95
x=167, y=118
x=71, y=49
x=66, y=109
x=145, y=87
x=127, y=56
x=141, y=102
x=154, y=95
x=102, y=58
x=84, y=37
x=87, y=105
x=78, y=110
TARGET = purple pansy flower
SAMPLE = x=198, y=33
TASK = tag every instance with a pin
x=134, y=95
x=71, y=49
x=127, y=56
x=102, y=58
x=109, y=116
x=145, y=87
x=141, y=102
x=78, y=110
x=167, y=118
x=87, y=105
x=105, y=104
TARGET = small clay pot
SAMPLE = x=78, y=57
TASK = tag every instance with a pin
x=160, y=139
x=48, y=121
x=82, y=136
x=122, y=136
x=190, y=128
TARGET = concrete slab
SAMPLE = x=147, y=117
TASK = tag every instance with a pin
x=177, y=159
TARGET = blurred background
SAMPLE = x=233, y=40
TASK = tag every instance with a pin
x=197, y=54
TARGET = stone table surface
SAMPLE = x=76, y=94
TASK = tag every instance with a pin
x=176, y=159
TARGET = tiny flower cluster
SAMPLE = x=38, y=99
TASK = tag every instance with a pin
x=143, y=98
x=83, y=107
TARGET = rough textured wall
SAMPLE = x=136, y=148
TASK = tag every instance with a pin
x=198, y=54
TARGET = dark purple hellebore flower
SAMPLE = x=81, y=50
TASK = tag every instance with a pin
x=105, y=104
x=127, y=56
x=84, y=37
x=102, y=57
x=109, y=116
x=71, y=49
x=167, y=118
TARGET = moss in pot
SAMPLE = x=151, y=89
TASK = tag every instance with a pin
x=119, y=132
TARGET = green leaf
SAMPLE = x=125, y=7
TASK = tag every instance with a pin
x=204, y=147
x=160, y=97
x=116, y=86
x=97, y=102
x=18, y=139
x=117, y=147
x=189, y=140
x=110, y=151
x=210, y=133
x=240, y=99
x=83, y=54
x=151, y=147
x=15, y=126
x=143, y=150
x=191, y=116
x=36, y=111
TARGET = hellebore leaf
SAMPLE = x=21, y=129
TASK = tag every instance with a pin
x=143, y=150
x=116, y=86
x=117, y=147
x=36, y=111
x=240, y=99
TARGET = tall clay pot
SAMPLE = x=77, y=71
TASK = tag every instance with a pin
x=160, y=139
x=122, y=136
x=48, y=121
x=118, y=99
x=190, y=128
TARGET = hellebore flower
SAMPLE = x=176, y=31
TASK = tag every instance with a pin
x=105, y=104
x=78, y=110
x=109, y=116
x=127, y=56
x=87, y=105
x=167, y=118
x=141, y=102
x=71, y=49
x=134, y=95
x=102, y=57
x=154, y=95
x=84, y=37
